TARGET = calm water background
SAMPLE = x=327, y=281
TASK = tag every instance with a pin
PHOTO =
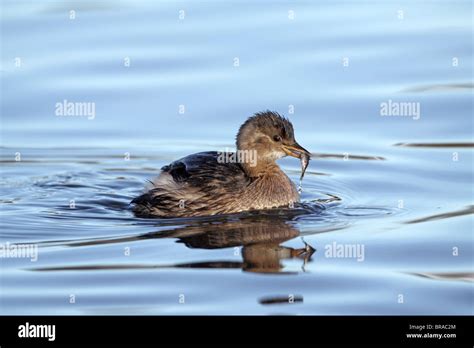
x=409, y=206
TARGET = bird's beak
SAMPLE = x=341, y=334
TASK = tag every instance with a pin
x=296, y=150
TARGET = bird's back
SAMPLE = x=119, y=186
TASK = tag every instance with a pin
x=196, y=185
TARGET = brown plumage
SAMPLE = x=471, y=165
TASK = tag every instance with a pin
x=210, y=183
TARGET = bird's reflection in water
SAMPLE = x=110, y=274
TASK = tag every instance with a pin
x=260, y=237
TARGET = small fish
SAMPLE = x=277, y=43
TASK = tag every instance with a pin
x=304, y=164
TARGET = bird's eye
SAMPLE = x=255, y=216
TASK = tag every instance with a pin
x=277, y=138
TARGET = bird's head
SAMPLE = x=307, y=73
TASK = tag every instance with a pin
x=271, y=136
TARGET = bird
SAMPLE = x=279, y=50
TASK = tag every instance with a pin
x=215, y=183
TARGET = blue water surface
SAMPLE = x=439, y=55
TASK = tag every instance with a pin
x=172, y=78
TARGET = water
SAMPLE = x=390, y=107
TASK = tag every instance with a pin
x=409, y=207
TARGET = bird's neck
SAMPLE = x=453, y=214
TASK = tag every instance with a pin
x=262, y=169
x=254, y=164
x=271, y=187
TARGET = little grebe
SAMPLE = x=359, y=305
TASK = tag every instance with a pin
x=209, y=183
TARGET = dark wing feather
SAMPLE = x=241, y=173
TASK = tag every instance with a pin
x=177, y=170
x=204, y=170
x=201, y=172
